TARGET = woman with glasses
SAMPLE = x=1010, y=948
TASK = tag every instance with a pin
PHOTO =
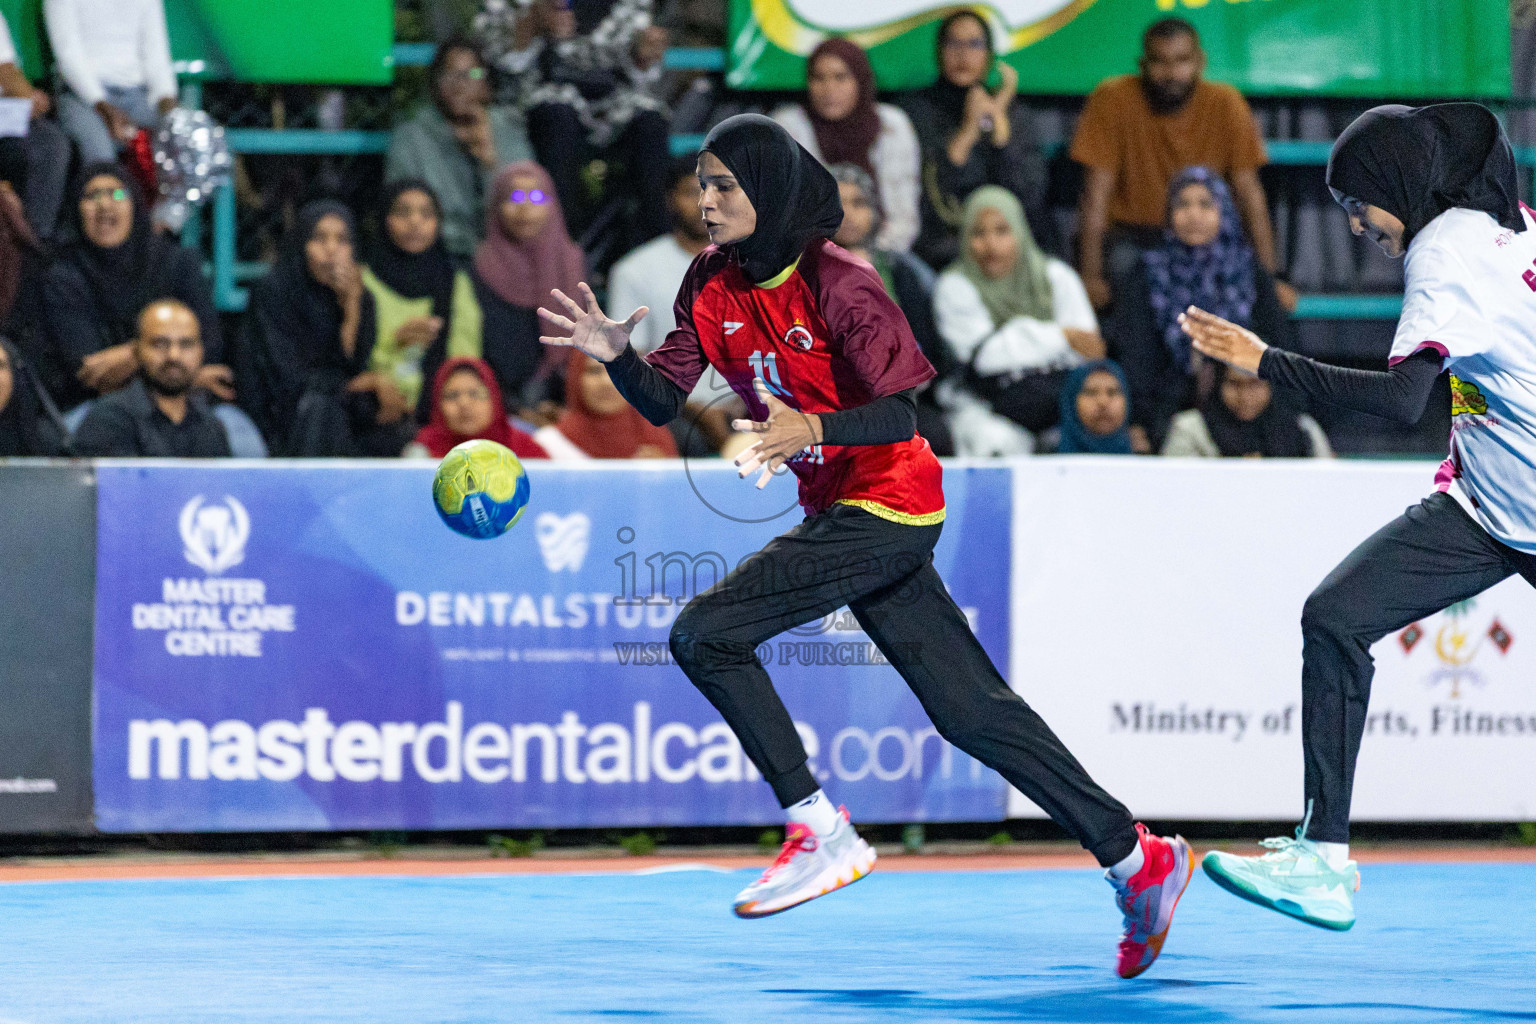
x=972, y=135
x=456, y=142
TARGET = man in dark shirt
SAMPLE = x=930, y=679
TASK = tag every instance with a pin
x=157, y=414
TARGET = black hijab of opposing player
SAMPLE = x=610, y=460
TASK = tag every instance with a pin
x=1418, y=162
x=795, y=198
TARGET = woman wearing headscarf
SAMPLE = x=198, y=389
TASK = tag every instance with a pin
x=971, y=136
x=1437, y=183
x=1015, y=321
x=1243, y=418
x=1095, y=411
x=600, y=423
x=303, y=358
x=805, y=334
x=27, y=426
x=1203, y=260
x=424, y=301
x=95, y=288
x=839, y=122
x=527, y=252
x=466, y=405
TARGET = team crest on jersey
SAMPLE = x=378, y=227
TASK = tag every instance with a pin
x=1466, y=399
x=800, y=336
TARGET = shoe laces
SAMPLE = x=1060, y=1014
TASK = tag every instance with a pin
x=797, y=839
x=1295, y=847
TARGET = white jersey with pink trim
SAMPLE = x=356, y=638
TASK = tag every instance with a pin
x=1471, y=294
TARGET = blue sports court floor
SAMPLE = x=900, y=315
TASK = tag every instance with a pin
x=1435, y=942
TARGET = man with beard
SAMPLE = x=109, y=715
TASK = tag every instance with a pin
x=1137, y=131
x=157, y=414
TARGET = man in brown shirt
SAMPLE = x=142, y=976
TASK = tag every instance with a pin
x=1137, y=131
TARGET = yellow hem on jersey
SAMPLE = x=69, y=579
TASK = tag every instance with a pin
x=780, y=277
x=874, y=508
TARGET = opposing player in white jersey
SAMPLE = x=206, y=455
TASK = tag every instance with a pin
x=1438, y=183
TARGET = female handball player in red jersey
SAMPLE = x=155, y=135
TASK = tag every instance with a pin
x=805, y=334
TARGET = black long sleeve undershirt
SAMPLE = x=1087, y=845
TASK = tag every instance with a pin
x=1398, y=394
x=884, y=421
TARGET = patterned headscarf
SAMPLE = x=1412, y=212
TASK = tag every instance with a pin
x=1218, y=276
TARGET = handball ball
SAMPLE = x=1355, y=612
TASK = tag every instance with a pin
x=480, y=489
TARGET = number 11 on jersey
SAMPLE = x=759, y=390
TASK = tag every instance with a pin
x=766, y=369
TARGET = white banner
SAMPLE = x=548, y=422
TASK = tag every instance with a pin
x=1156, y=607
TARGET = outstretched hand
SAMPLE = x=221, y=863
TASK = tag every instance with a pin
x=785, y=432
x=591, y=331
x=1222, y=339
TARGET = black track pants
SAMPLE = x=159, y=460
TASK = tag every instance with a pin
x=883, y=572
x=1425, y=560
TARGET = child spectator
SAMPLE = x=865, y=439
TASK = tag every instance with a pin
x=37, y=164
x=1095, y=412
x=1015, y=321
x=1203, y=260
x=115, y=60
x=25, y=427
x=96, y=287
x=588, y=76
x=1137, y=131
x=158, y=415
x=1243, y=419
x=839, y=122
x=971, y=137
x=527, y=252
x=600, y=422
x=303, y=360
x=907, y=279
x=455, y=142
x=466, y=404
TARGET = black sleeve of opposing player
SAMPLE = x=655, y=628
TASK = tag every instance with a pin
x=1397, y=394
x=646, y=388
x=883, y=421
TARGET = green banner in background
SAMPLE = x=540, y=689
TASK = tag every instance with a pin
x=1406, y=48
x=332, y=42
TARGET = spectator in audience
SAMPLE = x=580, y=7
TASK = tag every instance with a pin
x=466, y=404
x=588, y=75
x=1137, y=131
x=96, y=287
x=649, y=276
x=456, y=142
x=1016, y=322
x=26, y=429
x=1243, y=419
x=972, y=137
x=1095, y=412
x=303, y=360
x=600, y=422
x=115, y=60
x=37, y=164
x=158, y=414
x=1203, y=260
x=424, y=301
x=907, y=279
x=527, y=252
x=839, y=122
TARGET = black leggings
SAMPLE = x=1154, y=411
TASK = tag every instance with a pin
x=1425, y=560
x=883, y=572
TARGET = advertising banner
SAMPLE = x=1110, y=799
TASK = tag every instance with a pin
x=307, y=647
x=47, y=544
x=1156, y=610
x=1428, y=48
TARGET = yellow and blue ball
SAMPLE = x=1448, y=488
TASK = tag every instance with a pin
x=480, y=489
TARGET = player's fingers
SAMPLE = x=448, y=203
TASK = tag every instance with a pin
x=763, y=394
x=751, y=426
x=591, y=298
x=769, y=471
x=1199, y=315
x=636, y=317
x=546, y=339
x=565, y=300
x=556, y=319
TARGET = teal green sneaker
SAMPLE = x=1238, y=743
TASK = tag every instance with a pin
x=1293, y=878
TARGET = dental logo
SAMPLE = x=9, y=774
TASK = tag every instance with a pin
x=563, y=540
x=800, y=336
x=213, y=536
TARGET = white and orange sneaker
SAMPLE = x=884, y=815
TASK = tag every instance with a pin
x=808, y=866
x=1147, y=899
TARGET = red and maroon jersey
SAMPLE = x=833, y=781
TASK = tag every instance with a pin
x=823, y=336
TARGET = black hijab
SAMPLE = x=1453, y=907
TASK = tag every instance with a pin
x=302, y=309
x=1418, y=162
x=948, y=97
x=421, y=275
x=1274, y=433
x=125, y=279
x=796, y=199
x=23, y=430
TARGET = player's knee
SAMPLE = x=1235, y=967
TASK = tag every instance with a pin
x=1324, y=613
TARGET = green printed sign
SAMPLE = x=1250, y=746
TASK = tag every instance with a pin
x=1406, y=48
